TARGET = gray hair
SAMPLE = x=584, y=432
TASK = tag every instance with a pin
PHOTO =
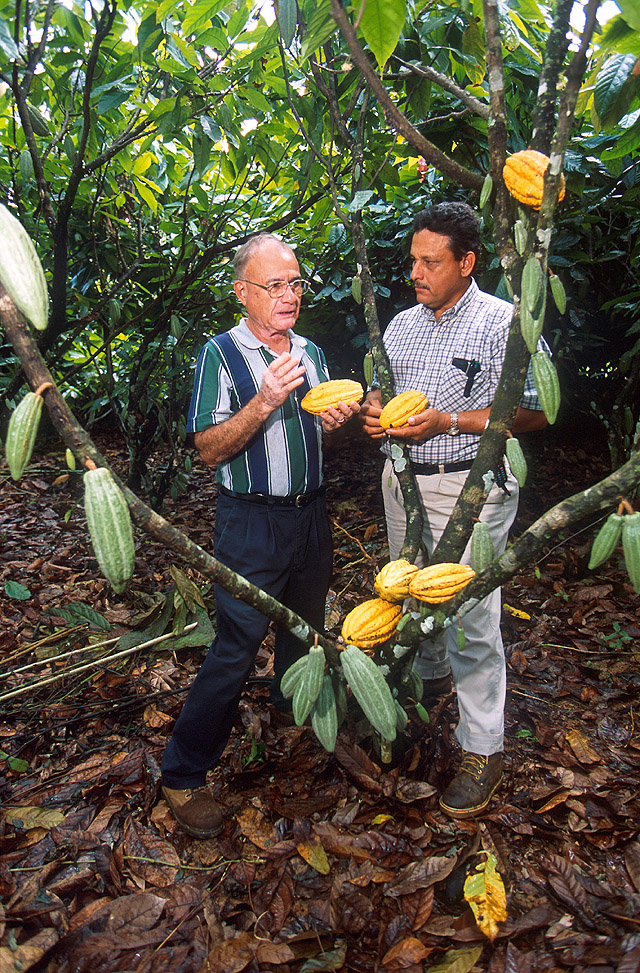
x=247, y=250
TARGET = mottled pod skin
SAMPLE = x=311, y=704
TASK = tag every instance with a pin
x=371, y=623
x=109, y=525
x=392, y=582
x=400, y=408
x=523, y=175
x=328, y=394
x=440, y=582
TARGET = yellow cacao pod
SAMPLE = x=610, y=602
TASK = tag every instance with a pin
x=523, y=175
x=328, y=394
x=371, y=623
x=400, y=408
x=392, y=582
x=440, y=582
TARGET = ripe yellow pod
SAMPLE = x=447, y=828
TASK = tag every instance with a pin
x=392, y=582
x=328, y=394
x=523, y=175
x=400, y=408
x=371, y=623
x=440, y=582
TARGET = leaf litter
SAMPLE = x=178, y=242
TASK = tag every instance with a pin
x=325, y=862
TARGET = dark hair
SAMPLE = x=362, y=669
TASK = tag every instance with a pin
x=457, y=221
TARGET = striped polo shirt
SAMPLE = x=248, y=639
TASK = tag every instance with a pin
x=456, y=361
x=284, y=457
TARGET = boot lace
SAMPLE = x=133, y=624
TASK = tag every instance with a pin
x=473, y=764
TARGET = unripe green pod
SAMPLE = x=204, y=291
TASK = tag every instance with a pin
x=109, y=524
x=546, y=378
x=371, y=690
x=39, y=123
x=70, y=460
x=520, y=236
x=292, y=677
x=530, y=327
x=516, y=459
x=26, y=165
x=314, y=672
x=22, y=432
x=532, y=283
x=606, y=540
x=367, y=367
x=301, y=704
x=324, y=715
x=415, y=685
x=485, y=192
x=401, y=718
x=356, y=289
x=21, y=272
x=482, y=550
x=631, y=548
x=558, y=293
x=627, y=420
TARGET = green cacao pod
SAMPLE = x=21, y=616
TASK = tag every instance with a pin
x=301, y=704
x=523, y=175
x=415, y=685
x=371, y=690
x=26, y=165
x=324, y=715
x=530, y=327
x=631, y=548
x=558, y=293
x=314, y=672
x=371, y=623
x=109, y=524
x=292, y=677
x=368, y=368
x=21, y=272
x=392, y=582
x=606, y=540
x=517, y=462
x=546, y=378
x=482, y=550
x=401, y=718
x=520, y=236
x=628, y=422
x=485, y=193
x=440, y=582
x=39, y=123
x=532, y=283
x=329, y=394
x=22, y=432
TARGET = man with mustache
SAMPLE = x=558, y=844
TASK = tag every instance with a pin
x=451, y=347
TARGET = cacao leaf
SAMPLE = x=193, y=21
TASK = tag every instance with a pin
x=485, y=893
x=287, y=14
x=558, y=293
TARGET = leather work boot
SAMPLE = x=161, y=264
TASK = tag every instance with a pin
x=195, y=810
x=473, y=786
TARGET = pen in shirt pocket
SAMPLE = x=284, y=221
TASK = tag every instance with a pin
x=470, y=368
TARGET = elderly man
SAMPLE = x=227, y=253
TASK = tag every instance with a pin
x=271, y=522
x=451, y=347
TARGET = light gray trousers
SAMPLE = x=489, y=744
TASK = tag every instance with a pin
x=478, y=670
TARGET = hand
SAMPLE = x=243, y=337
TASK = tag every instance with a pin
x=370, y=415
x=426, y=425
x=336, y=416
x=283, y=375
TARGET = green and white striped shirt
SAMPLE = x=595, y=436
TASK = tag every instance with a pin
x=284, y=458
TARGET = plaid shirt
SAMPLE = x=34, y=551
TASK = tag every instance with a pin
x=456, y=362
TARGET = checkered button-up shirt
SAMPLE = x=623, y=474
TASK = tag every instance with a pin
x=456, y=362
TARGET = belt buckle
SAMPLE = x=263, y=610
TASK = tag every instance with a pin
x=298, y=502
x=441, y=468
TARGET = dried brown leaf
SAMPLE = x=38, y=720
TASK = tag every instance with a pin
x=581, y=747
x=408, y=952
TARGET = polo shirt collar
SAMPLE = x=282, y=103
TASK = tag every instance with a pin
x=452, y=312
x=247, y=338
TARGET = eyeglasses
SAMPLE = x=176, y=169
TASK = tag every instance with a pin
x=278, y=288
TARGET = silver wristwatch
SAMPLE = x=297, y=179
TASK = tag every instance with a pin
x=453, y=429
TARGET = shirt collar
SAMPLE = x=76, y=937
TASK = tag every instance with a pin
x=452, y=312
x=247, y=338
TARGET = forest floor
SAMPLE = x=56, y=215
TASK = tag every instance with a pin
x=325, y=862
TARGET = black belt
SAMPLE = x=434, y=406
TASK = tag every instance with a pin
x=428, y=469
x=298, y=500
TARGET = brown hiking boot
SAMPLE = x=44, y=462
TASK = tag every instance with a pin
x=473, y=786
x=195, y=811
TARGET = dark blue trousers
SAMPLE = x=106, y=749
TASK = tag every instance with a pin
x=287, y=552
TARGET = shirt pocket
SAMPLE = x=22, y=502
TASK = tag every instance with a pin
x=464, y=385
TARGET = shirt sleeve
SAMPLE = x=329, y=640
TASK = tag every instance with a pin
x=212, y=396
